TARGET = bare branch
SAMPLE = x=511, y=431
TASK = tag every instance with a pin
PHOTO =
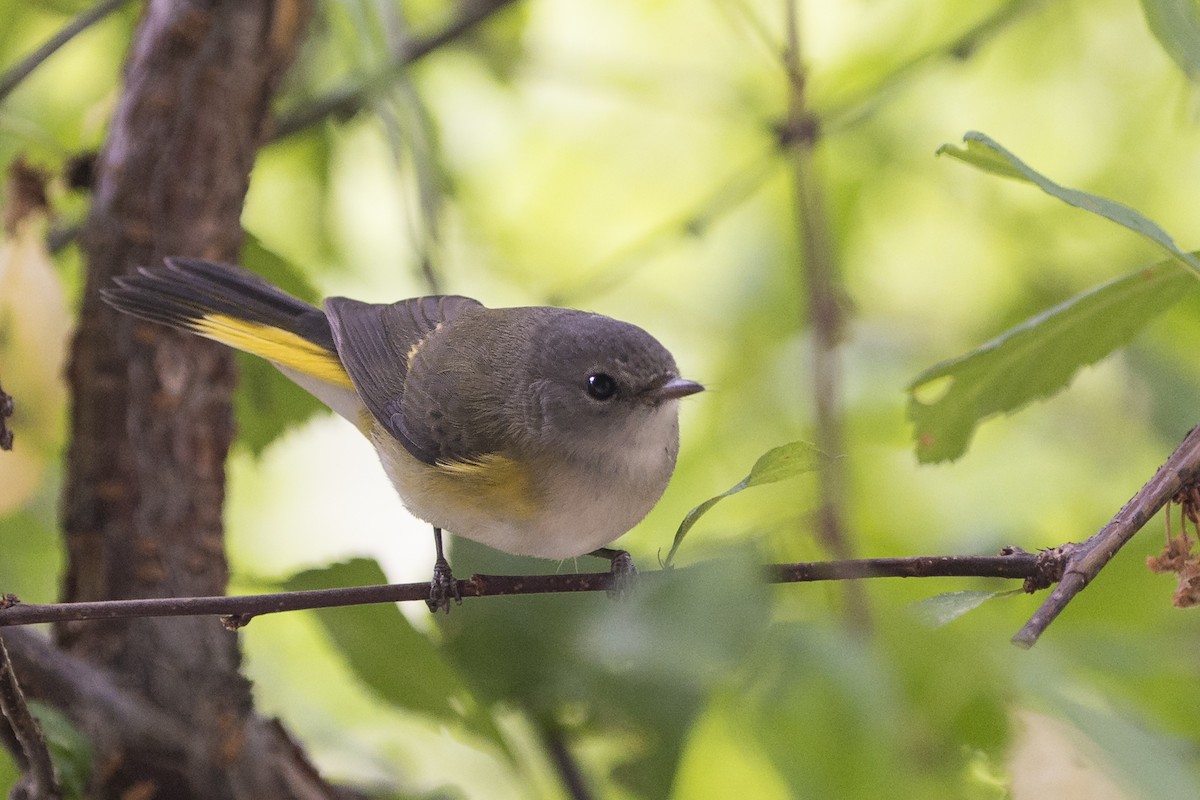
x=1084, y=561
x=347, y=101
x=239, y=610
x=1037, y=569
x=38, y=781
x=12, y=77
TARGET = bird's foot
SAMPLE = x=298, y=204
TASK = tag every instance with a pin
x=442, y=588
x=622, y=570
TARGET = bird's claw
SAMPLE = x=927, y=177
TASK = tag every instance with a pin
x=442, y=588
x=623, y=572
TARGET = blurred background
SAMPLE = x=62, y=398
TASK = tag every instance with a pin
x=651, y=161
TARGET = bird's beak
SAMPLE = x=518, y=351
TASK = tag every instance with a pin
x=673, y=389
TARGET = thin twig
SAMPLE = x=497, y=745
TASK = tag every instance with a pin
x=1084, y=561
x=9, y=740
x=564, y=760
x=826, y=316
x=7, y=407
x=347, y=101
x=238, y=610
x=13, y=76
x=38, y=781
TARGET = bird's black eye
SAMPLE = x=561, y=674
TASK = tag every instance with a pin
x=601, y=386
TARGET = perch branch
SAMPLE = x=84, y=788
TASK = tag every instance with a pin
x=1037, y=570
x=1084, y=561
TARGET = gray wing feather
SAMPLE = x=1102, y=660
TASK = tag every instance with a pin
x=375, y=342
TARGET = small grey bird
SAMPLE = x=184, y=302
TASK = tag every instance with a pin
x=538, y=431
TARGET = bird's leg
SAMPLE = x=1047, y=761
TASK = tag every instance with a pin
x=443, y=586
x=622, y=569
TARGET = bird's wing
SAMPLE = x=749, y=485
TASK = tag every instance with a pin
x=377, y=344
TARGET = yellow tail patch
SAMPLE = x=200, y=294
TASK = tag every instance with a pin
x=274, y=344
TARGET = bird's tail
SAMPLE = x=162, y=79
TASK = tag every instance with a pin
x=234, y=307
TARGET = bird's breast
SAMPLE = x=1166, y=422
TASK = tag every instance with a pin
x=547, y=505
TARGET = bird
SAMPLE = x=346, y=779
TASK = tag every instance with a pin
x=537, y=430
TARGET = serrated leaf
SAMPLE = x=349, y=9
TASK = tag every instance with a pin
x=379, y=643
x=267, y=404
x=1176, y=25
x=1037, y=358
x=942, y=609
x=981, y=151
x=777, y=464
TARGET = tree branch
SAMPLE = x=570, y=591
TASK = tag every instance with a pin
x=826, y=315
x=38, y=781
x=7, y=407
x=348, y=100
x=116, y=719
x=559, y=749
x=151, y=417
x=13, y=76
x=1084, y=561
x=1037, y=570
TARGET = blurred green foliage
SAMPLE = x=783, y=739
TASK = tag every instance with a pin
x=625, y=157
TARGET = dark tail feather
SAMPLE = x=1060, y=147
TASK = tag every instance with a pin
x=188, y=290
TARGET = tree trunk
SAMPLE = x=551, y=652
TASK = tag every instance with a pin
x=152, y=422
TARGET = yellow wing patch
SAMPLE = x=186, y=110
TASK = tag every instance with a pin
x=274, y=344
x=491, y=481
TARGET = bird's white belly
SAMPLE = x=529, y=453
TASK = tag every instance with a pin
x=576, y=507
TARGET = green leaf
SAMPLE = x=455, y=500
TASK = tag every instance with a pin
x=1037, y=358
x=272, y=267
x=633, y=672
x=267, y=404
x=1176, y=25
x=942, y=609
x=9, y=774
x=817, y=694
x=777, y=464
x=1158, y=763
x=780, y=463
x=379, y=643
x=70, y=750
x=983, y=152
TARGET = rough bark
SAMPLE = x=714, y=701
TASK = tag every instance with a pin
x=151, y=421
